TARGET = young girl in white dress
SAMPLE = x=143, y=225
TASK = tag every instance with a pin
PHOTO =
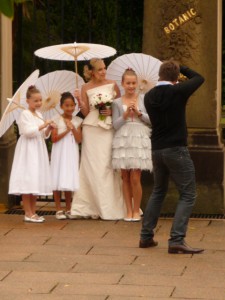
x=65, y=155
x=30, y=175
x=131, y=143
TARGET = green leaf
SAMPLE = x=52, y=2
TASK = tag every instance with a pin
x=7, y=8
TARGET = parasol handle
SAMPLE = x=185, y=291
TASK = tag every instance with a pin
x=57, y=111
x=75, y=61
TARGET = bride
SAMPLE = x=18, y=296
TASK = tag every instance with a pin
x=100, y=194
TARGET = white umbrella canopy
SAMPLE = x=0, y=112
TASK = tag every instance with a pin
x=145, y=66
x=17, y=103
x=75, y=52
x=51, y=86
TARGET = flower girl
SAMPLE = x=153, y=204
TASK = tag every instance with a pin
x=30, y=175
x=131, y=143
x=65, y=155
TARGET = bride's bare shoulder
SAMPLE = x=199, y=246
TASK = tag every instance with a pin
x=110, y=81
x=87, y=86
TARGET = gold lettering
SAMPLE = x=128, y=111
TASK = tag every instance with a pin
x=189, y=14
x=181, y=20
x=171, y=26
x=185, y=17
x=175, y=22
x=166, y=29
x=192, y=11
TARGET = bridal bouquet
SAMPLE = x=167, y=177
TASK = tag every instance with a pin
x=102, y=102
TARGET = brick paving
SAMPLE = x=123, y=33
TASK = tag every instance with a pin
x=100, y=260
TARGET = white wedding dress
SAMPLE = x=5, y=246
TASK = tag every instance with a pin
x=100, y=193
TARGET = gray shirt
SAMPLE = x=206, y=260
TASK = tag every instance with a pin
x=118, y=110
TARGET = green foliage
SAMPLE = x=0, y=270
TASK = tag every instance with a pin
x=109, y=22
x=7, y=7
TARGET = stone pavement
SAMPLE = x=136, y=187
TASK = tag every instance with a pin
x=99, y=260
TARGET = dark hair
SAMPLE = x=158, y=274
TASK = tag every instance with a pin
x=65, y=96
x=169, y=70
x=129, y=72
x=89, y=67
x=32, y=90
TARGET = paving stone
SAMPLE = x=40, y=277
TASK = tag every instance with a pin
x=3, y=274
x=26, y=266
x=31, y=240
x=27, y=285
x=209, y=293
x=118, y=290
x=138, y=298
x=128, y=269
x=5, y=296
x=85, y=259
x=209, y=258
x=66, y=279
x=4, y=231
x=122, y=250
x=202, y=275
x=13, y=256
x=100, y=260
x=65, y=249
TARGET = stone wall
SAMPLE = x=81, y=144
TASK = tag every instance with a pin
x=190, y=31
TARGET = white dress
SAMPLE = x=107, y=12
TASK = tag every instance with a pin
x=65, y=158
x=30, y=172
x=100, y=193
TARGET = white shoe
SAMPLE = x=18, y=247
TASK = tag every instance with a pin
x=69, y=216
x=40, y=217
x=128, y=219
x=94, y=217
x=33, y=219
x=141, y=212
x=60, y=215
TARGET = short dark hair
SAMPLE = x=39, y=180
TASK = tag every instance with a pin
x=65, y=96
x=169, y=70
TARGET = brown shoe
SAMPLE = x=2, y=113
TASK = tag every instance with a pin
x=184, y=249
x=147, y=243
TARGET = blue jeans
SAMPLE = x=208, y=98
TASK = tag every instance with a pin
x=174, y=162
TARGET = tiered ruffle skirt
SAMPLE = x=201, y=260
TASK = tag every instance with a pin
x=132, y=147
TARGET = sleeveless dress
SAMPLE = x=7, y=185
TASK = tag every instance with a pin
x=30, y=172
x=65, y=158
x=131, y=142
x=100, y=193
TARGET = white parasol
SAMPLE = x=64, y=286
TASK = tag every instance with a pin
x=51, y=86
x=145, y=66
x=75, y=52
x=17, y=103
